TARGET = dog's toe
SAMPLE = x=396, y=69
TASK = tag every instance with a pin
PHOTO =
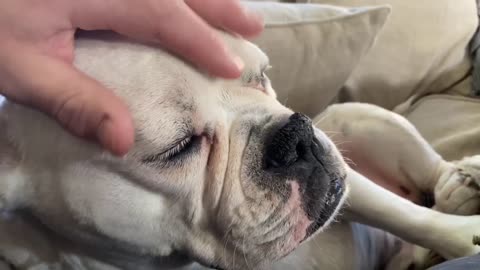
x=458, y=190
x=468, y=180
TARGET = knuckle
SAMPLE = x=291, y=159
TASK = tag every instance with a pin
x=165, y=10
x=160, y=17
x=70, y=111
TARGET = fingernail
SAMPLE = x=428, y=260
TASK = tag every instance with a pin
x=108, y=138
x=104, y=135
x=238, y=63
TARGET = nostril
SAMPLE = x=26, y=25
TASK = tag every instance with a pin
x=303, y=148
x=290, y=142
x=277, y=159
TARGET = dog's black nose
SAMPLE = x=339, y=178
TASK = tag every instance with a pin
x=290, y=143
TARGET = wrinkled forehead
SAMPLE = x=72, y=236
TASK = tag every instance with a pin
x=149, y=74
x=158, y=86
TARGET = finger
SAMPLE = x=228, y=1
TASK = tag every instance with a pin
x=78, y=103
x=228, y=15
x=170, y=23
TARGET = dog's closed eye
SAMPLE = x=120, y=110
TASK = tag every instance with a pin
x=180, y=149
x=258, y=80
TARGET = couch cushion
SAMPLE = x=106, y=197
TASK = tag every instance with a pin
x=449, y=123
x=422, y=49
x=314, y=48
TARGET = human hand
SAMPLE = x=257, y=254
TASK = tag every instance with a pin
x=36, y=54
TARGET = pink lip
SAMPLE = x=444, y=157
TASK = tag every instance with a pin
x=298, y=217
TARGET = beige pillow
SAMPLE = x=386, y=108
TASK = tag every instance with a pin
x=449, y=123
x=422, y=49
x=314, y=48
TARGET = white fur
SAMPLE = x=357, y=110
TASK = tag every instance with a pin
x=121, y=213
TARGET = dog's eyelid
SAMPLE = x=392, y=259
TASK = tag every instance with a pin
x=184, y=133
x=249, y=77
x=166, y=153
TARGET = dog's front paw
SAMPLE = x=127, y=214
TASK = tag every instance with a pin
x=458, y=189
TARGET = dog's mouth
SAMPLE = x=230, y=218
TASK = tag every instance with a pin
x=323, y=210
x=305, y=225
x=293, y=184
x=333, y=200
x=297, y=151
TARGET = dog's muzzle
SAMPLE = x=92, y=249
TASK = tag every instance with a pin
x=293, y=150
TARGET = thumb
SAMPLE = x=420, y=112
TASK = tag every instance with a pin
x=79, y=103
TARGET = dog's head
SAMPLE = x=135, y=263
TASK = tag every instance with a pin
x=221, y=172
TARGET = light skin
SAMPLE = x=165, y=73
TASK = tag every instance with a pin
x=36, y=54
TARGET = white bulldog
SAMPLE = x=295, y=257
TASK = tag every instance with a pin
x=221, y=174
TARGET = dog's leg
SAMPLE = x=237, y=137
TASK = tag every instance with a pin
x=457, y=191
x=386, y=148
x=451, y=236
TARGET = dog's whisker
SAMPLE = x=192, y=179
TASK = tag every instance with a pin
x=226, y=237
x=319, y=120
x=317, y=245
x=233, y=257
x=331, y=136
x=349, y=161
x=331, y=132
x=351, y=164
x=224, y=255
x=340, y=143
x=243, y=251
